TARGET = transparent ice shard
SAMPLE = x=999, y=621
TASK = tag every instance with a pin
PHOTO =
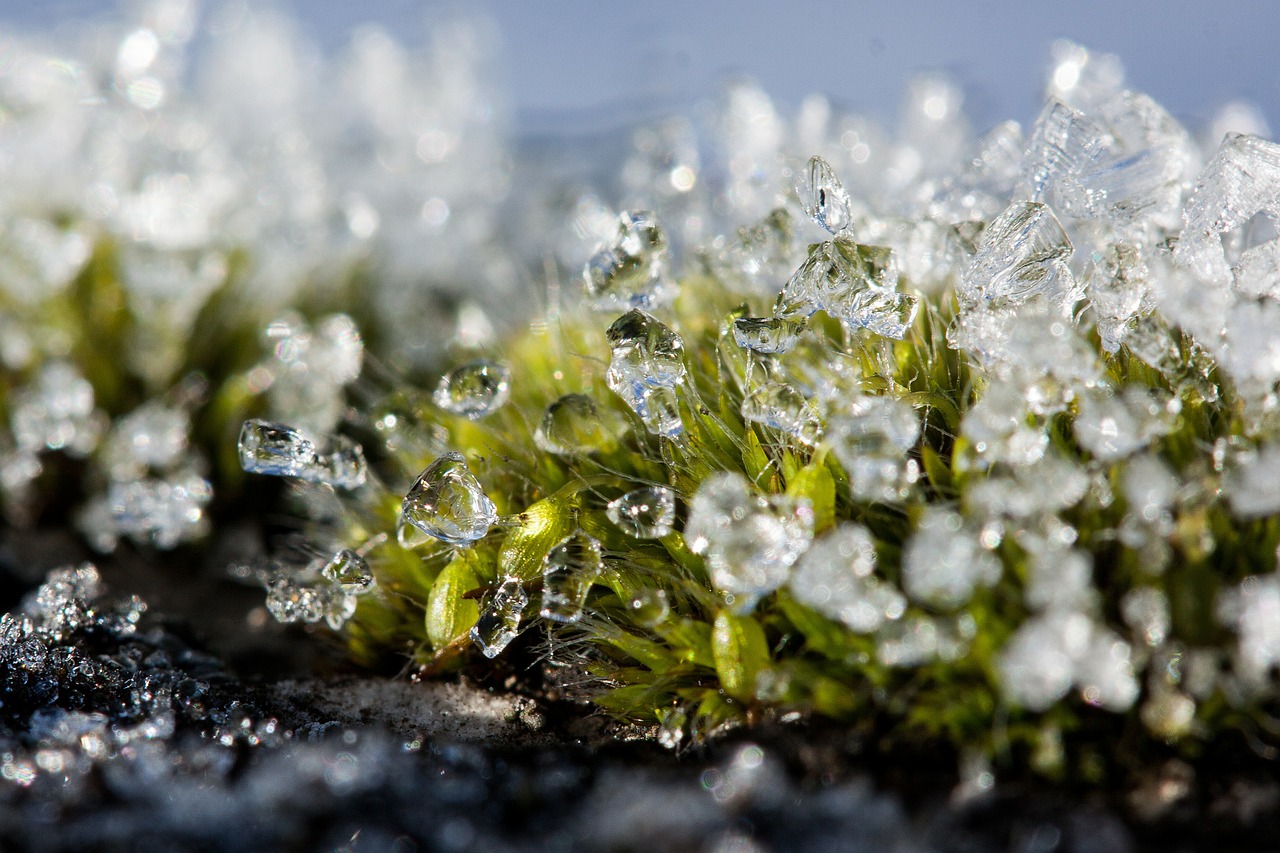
x=1150, y=487
x=1117, y=285
x=447, y=502
x=780, y=406
x=872, y=438
x=1017, y=258
x=1258, y=272
x=1063, y=142
x=768, y=335
x=338, y=604
x=349, y=570
x=944, y=562
x=999, y=430
x=1251, y=483
x=1240, y=181
x=474, y=390
x=835, y=578
x=824, y=197
x=568, y=571
x=749, y=542
x=884, y=312
x=574, y=425
x=288, y=600
x=500, y=617
x=645, y=513
x=832, y=275
x=646, y=356
x=1081, y=77
x=632, y=270
x=1146, y=611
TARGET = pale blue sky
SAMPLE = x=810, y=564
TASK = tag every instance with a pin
x=576, y=63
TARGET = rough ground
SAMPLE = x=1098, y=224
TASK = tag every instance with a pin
x=208, y=727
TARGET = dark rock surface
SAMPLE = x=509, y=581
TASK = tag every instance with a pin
x=175, y=729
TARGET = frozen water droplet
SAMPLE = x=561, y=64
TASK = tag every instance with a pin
x=872, y=440
x=824, y=197
x=646, y=357
x=568, y=571
x=645, y=513
x=1252, y=482
x=1146, y=611
x=409, y=536
x=161, y=512
x=474, y=390
x=448, y=503
x=832, y=275
x=340, y=463
x=350, y=571
x=1063, y=142
x=943, y=562
x=1017, y=257
x=338, y=604
x=749, y=542
x=630, y=272
x=766, y=334
x=574, y=426
x=500, y=616
x=1150, y=487
x=649, y=607
x=150, y=437
x=834, y=577
x=1112, y=426
x=780, y=406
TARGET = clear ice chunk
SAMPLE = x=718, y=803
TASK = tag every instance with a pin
x=749, y=542
x=1117, y=285
x=885, y=312
x=574, y=426
x=944, y=562
x=568, y=571
x=448, y=503
x=777, y=405
x=152, y=436
x=631, y=271
x=474, y=390
x=645, y=513
x=646, y=356
x=769, y=335
x=1240, y=181
x=824, y=197
x=1251, y=483
x=1063, y=141
x=275, y=449
x=835, y=578
x=1258, y=273
x=1081, y=77
x=500, y=617
x=872, y=439
x=832, y=274
x=291, y=601
x=1016, y=257
x=282, y=451
x=349, y=570
x=998, y=429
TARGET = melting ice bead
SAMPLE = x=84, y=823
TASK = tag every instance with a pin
x=749, y=542
x=645, y=513
x=340, y=463
x=448, y=503
x=824, y=197
x=474, y=390
x=834, y=577
x=943, y=562
x=647, y=358
x=349, y=570
x=568, y=571
x=872, y=440
x=766, y=334
x=649, y=607
x=499, y=621
x=780, y=406
x=1018, y=257
x=630, y=272
x=575, y=426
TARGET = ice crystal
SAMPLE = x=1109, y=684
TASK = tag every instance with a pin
x=575, y=426
x=766, y=334
x=282, y=451
x=500, y=618
x=835, y=578
x=448, y=502
x=1022, y=254
x=631, y=271
x=568, y=571
x=943, y=563
x=872, y=439
x=645, y=513
x=474, y=390
x=780, y=406
x=646, y=364
x=824, y=198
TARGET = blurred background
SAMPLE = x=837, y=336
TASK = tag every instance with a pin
x=573, y=66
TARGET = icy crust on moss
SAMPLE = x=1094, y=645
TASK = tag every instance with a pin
x=992, y=419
